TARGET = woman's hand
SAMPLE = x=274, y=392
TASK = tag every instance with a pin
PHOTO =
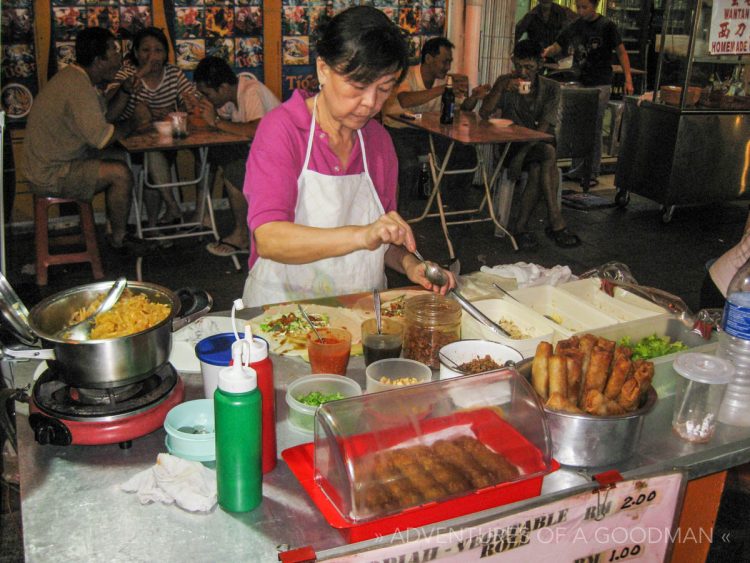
x=142, y=115
x=388, y=229
x=415, y=271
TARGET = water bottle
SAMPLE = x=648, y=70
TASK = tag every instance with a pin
x=424, y=185
x=734, y=345
x=447, y=103
x=261, y=363
x=237, y=414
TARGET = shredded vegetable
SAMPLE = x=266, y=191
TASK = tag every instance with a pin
x=316, y=398
x=652, y=346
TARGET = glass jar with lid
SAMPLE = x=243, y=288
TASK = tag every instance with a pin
x=430, y=322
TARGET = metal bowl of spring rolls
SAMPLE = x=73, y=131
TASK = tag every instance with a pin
x=585, y=440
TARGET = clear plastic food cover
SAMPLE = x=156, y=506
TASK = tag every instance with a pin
x=385, y=453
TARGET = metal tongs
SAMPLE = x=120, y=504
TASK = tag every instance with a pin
x=617, y=274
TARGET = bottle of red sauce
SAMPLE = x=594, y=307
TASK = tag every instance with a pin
x=261, y=363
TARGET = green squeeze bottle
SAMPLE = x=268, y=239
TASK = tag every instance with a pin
x=237, y=413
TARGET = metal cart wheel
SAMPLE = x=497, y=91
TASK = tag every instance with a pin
x=666, y=213
x=622, y=198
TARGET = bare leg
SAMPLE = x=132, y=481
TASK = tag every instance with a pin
x=159, y=174
x=550, y=180
x=530, y=197
x=116, y=179
x=238, y=204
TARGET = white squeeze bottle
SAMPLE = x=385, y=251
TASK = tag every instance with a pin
x=734, y=345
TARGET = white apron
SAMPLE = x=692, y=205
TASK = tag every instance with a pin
x=324, y=202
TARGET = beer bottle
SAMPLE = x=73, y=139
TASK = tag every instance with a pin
x=447, y=103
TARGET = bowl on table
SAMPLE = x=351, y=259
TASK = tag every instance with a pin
x=392, y=373
x=190, y=430
x=670, y=95
x=301, y=415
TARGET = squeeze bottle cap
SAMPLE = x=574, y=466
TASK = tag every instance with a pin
x=258, y=346
x=238, y=378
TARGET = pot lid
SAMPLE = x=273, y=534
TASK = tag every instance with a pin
x=15, y=312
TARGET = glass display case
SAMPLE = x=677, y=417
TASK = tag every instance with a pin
x=684, y=143
x=425, y=453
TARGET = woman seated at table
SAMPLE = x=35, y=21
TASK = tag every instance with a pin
x=321, y=176
x=158, y=89
x=536, y=109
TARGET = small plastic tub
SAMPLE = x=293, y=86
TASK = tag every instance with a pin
x=302, y=416
x=164, y=128
x=190, y=430
x=398, y=372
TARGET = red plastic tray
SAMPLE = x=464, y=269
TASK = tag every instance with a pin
x=487, y=426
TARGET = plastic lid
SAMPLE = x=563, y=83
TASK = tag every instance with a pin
x=216, y=349
x=704, y=368
x=258, y=346
x=238, y=378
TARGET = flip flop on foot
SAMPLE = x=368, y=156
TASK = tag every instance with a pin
x=224, y=248
x=563, y=238
x=526, y=241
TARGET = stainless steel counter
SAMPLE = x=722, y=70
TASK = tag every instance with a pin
x=73, y=509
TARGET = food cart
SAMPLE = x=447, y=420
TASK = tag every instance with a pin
x=73, y=508
x=687, y=143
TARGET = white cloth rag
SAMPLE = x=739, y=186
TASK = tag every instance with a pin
x=188, y=484
x=528, y=275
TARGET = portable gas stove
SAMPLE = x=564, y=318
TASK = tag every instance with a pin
x=62, y=415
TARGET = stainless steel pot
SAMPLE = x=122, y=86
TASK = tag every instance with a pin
x=107, y=362
x=583, y=440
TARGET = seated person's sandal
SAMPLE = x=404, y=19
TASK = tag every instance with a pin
x=563, y=238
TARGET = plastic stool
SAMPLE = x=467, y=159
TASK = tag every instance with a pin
x=43, y=239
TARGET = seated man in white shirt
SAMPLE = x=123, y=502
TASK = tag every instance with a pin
x=234, y=104
x=420, y=92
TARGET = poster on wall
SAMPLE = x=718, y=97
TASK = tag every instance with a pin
x=18, y=70
x=302, y=21
x=229, y=29
x=730, y=23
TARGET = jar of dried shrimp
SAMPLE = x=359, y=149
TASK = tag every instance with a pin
x=430, y=322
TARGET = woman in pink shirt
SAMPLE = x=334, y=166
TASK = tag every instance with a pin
x=321, y=176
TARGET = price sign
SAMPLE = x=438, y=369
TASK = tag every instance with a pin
x=631, y=522
x=730, y=27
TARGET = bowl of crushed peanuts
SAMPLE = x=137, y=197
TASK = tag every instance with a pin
x=392, y=373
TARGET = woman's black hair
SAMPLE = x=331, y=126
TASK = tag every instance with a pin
x=362, y=44
x=138, y=38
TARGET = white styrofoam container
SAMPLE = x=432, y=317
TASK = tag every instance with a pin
x=664, y=375
x=590, y=291
x=576, y=315
x=525, y=318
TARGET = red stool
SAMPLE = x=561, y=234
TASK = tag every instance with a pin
x=42, y=239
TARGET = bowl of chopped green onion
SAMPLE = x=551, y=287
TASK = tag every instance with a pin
x=306, y=394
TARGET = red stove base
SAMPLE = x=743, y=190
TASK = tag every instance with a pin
x=64, y=432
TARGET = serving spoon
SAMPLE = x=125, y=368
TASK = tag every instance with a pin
x=376, y=304
x=435, y=275
x=82, y=329
x=312, y=326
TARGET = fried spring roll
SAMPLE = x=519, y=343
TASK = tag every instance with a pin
x=620, y=371
x=574, y=369
x=630, y=395
x=597, y=404
x=493, y=462
x=605, y=344
x=596, y=375
x=567, y=344
x=557, y=402
x=448, y=476
x=623, y=351
x=586, y=345
x=558, y=376
x=644, y=374
x=477, y=475
x=395, y=484
x=540, y=369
